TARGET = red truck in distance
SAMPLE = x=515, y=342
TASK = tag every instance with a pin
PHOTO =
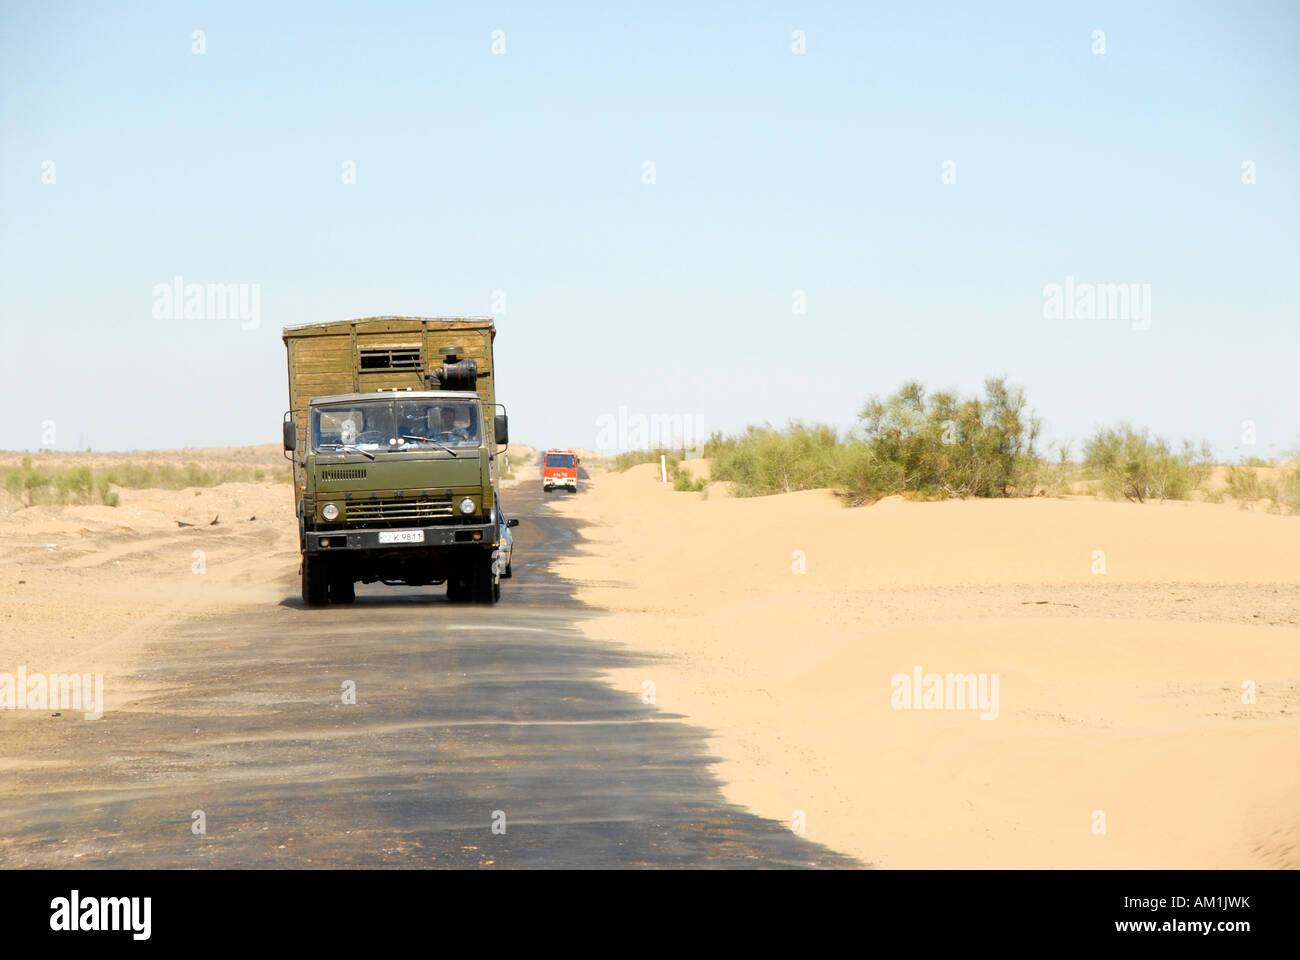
x=560, y=469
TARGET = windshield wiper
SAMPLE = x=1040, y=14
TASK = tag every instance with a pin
x=440, y=446
x=345, y=446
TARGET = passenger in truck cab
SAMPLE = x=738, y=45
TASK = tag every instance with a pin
x=448, y=431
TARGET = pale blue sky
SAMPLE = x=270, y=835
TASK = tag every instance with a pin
x=775, y=172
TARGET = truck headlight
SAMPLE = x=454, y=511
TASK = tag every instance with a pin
x=467, y=505
x=330, y=512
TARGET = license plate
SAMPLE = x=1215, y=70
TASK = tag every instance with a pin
x=401, y=536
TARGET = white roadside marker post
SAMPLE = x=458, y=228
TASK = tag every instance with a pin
x=663, y=466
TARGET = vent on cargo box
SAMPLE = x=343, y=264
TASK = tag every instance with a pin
x=345, y=473
x=390, y=358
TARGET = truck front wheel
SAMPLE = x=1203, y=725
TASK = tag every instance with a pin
x=315, y=588
x=485, y=587
x=458, y=588
x=475, y=582
x=343, y=590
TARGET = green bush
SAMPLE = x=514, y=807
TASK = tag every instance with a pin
x=1140, y=467
x=764, y=460
x=1286, y=492
x=1283, y=492
x=1244, y=483
x=946, y=445
x=683, y=481
x=909, y=443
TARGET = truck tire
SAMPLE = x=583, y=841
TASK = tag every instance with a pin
x=485, y=588
x=343, y=590
x=458, y=588
x=315, y=588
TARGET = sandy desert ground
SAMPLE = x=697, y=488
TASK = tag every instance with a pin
x=1119, y=693
x=87, y=587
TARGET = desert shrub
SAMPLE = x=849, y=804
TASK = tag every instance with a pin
x=74, y=483
x=1139, y=467
x=33, y=485
x=1214, y=495
x=1286, y=491
x=717, y=444
x=764, y=460
x=943, y=444
x=1245, y=483
x=685, y=482
x=1059, y=475
x=166, y=476
x=632, y=458
x=909, y=443
x=80, y=484
x=27, y=483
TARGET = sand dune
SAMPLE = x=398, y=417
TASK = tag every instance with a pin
x=87, y=588
x=1120, y=693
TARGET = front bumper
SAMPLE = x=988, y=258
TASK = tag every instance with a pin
x=459, y=535
x=570, y=482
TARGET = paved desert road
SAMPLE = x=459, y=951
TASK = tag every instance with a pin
x=461, y=711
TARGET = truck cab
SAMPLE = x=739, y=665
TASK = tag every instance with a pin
x=560, y=469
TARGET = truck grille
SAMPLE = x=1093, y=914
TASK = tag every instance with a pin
x=343, y=473
x=369, y=511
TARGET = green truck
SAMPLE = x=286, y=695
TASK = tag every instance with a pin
x=394, y=433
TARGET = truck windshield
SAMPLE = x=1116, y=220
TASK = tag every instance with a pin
x=394, y=426
x=559, y=460
x=428, y=423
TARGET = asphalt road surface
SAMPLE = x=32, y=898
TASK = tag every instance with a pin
x=465, y=717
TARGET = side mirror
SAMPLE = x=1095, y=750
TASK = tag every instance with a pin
x=501, y=427
x=512, y=522
x=290, y=435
